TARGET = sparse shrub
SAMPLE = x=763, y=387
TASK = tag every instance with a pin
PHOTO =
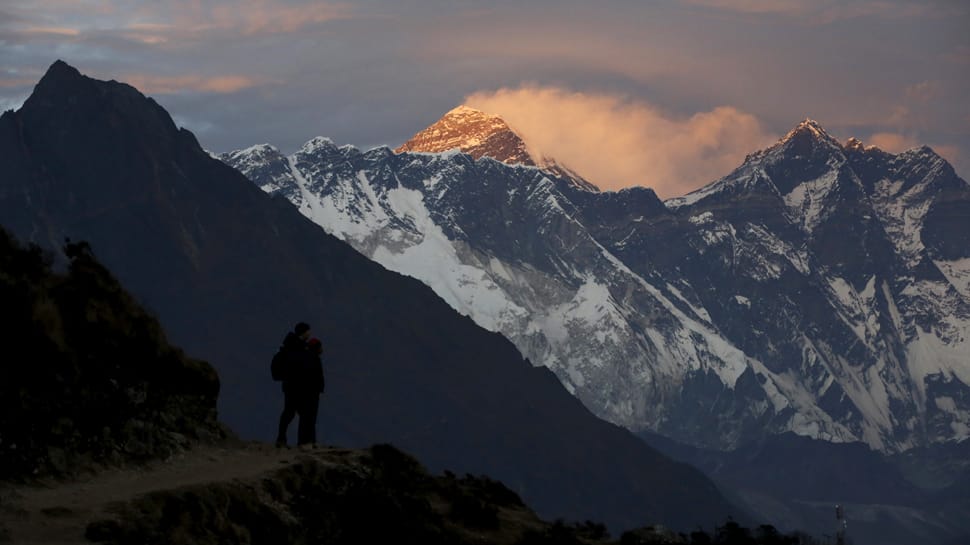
x=473, y=512
x=559, y=533
x=397, y=469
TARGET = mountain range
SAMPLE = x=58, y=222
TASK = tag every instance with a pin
x=228, y=270
x=821, y=288
x=798, y=329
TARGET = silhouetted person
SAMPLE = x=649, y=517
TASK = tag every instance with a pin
x=311, y=384
x=295, y=353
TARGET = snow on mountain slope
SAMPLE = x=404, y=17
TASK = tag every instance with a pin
x=796, y=293
x=892, y=334
x=501, y=245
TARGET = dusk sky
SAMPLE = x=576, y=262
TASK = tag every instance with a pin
x=667, y=94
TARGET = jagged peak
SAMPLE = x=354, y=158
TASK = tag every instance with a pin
x=854, y=143
x=60, y=69
x=259, y=148
x=474, y=132
x=464, y=110
x=813, y=129
x=857, y=145
x=59, y=76
x=316, y=143
x=922, y=153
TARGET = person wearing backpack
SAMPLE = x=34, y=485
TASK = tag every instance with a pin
x=286, y=366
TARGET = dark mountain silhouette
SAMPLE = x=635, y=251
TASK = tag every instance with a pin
x=228, y=270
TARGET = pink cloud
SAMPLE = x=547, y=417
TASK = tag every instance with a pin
x=170, y=22
x=248, y=17
x=17, y=82
x=829, y=11
x=924, y=91
x=50, y=31
x=164, y=85
x=617, y=143
x=891, y=142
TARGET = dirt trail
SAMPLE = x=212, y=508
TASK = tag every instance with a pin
x=58, y=513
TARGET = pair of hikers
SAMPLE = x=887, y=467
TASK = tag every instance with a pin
x=298, y=366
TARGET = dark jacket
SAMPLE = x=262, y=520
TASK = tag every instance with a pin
x=294, y=348
x=293, y=343
x=304, y=368
x=311, y=372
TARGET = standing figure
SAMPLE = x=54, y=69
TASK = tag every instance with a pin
x=292, y=357
x=310, y=388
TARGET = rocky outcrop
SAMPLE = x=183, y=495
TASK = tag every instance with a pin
x=335, y=496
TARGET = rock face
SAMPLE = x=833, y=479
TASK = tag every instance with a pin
x=89, y=378
x=819, y=288
x=229, y=269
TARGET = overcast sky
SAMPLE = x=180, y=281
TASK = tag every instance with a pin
x=669, y=94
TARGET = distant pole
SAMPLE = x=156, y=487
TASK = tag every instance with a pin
x=840, y=525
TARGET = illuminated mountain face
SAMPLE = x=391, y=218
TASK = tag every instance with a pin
x=473, y=132
x=481, y=134
x=818, y=288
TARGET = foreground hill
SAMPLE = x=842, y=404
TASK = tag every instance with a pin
x=88, y=377
x=228, y=270
x=109, y=435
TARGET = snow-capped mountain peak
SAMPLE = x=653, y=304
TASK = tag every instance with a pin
x=474, y=132
x=811, y=129
x=481, y=134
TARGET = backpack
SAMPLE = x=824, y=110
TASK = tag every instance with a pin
x=279, y=367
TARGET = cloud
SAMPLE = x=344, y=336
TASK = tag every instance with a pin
x=249, y=17
x=616, y=142
x=52, y=31
x=161, y=22
x=165, y=85
x=784, y=7
x=892, y=142
x=924, y=91
x=11, y=103
x=829, y=11
x=17, y=82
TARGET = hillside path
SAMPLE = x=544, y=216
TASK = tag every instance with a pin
x=57, y=513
